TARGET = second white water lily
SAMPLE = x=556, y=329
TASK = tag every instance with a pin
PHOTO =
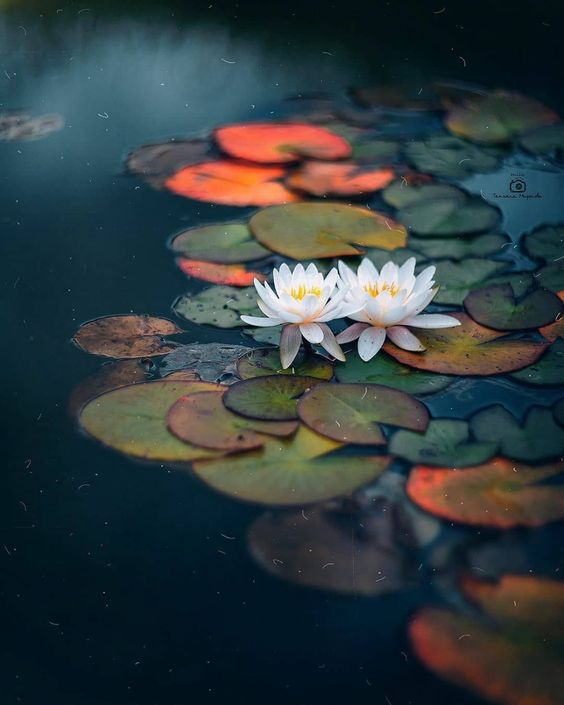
x=391, y=303
x=303, y=301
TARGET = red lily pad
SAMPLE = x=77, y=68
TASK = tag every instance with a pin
x=126, y=336
x=228, y=274
x=340, y=179
x=500, y=493
x=278, y=143
x=203, y=420
x=468, y=349
x=350, y=413
x=498, y=308
x=232, y=183
x=272, y=397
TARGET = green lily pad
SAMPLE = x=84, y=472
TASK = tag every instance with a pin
x=402, y=193
x=496, y=307
x=546, y=243
x=449, y=157
x=499, y=493
x=468, y=349
x=386, y=371
x=538, y=438
x=457, y=279
x=548, y=370
x=272, y=397
x=133, y=420
x=219, y=306
x=226, y=243
x=496, y=117
x=309, y=230
x=265, y=336
x=266, y=361
x=451, y=248
x=292, y=471
x=551, y=277
x=558, y=411
x=521, y=282
x=204, y=421
x=449, y=216
x=372, y=151
x=446, y=443
x=544, y=140
x=350, y=413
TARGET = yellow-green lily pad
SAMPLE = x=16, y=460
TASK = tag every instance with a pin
x=266, y=361
x=228, y=243
x=271, y=397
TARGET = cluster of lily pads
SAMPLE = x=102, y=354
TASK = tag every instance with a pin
x=349, y=457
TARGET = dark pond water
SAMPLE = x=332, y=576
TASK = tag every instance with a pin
x=119, y=584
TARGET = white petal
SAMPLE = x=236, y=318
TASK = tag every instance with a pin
x=403, y=338
x=261, y=322
x=331, y=280
x=389, y=274
x=311, y=332
x=330, y=343
x=370, y=342
x=352, y=332
x=431, y=320
x=311, y=270
x=420, y=301
x=347, y=275
x=290, y=342
x=285, y=274
x=423, y=279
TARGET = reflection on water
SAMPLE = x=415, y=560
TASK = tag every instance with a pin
x=127, y=582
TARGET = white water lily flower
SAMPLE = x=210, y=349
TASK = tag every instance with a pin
x=303, y=301
x=392, y=302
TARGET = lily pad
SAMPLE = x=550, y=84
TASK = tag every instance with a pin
x=552, y=276
x=265, y=336
x=449, y=216
x=558, y=411
x=554, y=330
x=409, y=191
x=311, y=230
x=457, y=279
x=468, y=349
x=229, y=274
x=499, y=494
x=374, y=151
x=232, y=183
x=546, y=243
x=513, y=656
x=157, y=162
x=399, y=256
x=277, y=143
x=496, y=117
x=350, y=413
x=212, y=362
x=229, y=243
x=496, y=307
x=266, y=361
x=457, y=249
x=545, y=140
x=449, y=157
x=219, y=306
x=202, y=420
x=446, y=443
x=538, y=438
x=126, y=336
x=548, y=370
x=292, y=471
x=271, y=397
x=339, y=179
x=20, y=127
x=400, y=96
x=386, y=371
x=133, y=420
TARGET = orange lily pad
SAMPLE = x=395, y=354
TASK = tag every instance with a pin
x=499, y=493
x=229, y=274
x=468, y=349
x=126, y=336
x=278, y=143
x=232, y=183
x=339, y=179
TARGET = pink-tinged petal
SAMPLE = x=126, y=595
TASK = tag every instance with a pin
x=261, y=322
x=330, y=343
x=311, y=332
x=403, y=338
x=290, y=341
x=431, y=320
x=352, y=332
x=370, y=342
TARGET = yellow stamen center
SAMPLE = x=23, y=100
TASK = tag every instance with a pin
x=299, y=292
x=373, y=290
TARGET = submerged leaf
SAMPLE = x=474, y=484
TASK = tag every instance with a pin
x=212, y=362
x=229, y=243
x=292, y=471
x=126, y=336
x=271, y=397
x=219, y=306
x=311, y=230
x=338, y=179
x=266, y=361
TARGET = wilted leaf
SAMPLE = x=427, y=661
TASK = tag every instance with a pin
x=226, y=242
x=228, y=274
x=212, y=362
x=266, y=361
x=219, y=306
x=350, y=413
x=311, y=230
x=338, y=179
x=126, y=336
x=291, y=471
x=272, y=397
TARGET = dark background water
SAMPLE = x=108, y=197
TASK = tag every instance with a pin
x=113, y=586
